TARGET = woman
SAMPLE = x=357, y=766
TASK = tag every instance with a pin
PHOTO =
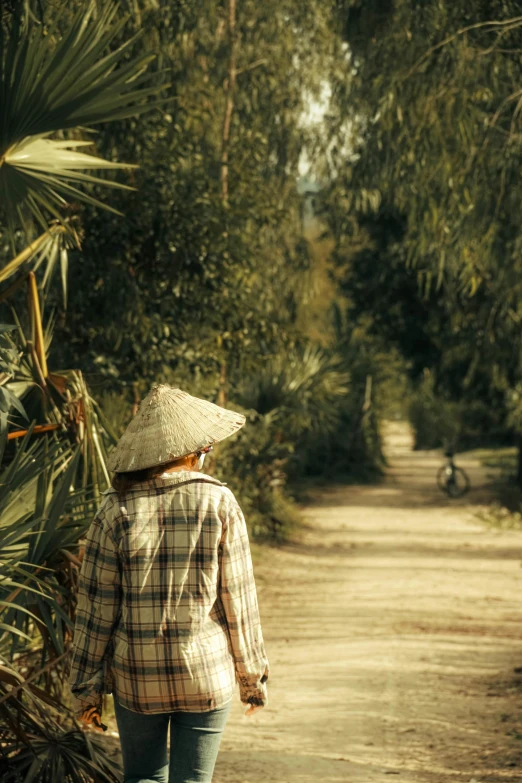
x=167, y=616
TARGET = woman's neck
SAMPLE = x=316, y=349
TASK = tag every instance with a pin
x=180, y=468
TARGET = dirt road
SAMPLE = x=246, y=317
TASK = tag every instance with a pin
x=393, y=630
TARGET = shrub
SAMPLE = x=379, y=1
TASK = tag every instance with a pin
x=436, y=422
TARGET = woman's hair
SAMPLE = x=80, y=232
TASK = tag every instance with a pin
x=122, y=482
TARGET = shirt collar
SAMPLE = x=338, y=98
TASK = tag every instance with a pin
x=171, y=479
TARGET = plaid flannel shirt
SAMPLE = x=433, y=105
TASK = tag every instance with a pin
x=167, y=614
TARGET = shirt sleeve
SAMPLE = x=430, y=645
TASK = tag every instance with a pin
x=239, y=598
x=99, y=600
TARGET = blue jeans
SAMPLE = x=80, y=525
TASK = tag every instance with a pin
x=195, y=738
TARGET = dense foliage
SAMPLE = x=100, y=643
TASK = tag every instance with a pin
x=208, y=266
x=203, y=268
x=212, y=273
x=432, y=102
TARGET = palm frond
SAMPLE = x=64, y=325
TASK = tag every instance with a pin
x=40, y=518
x=51, y=83
x=34, y=743
x=299, y=388
x=49, y=249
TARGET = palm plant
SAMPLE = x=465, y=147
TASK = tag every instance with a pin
x=51, y=83
x=294, y=396
x=34, y=745
x=41, y=521
x=58, y=402
x=42, y=518
x=9, y=360
x=300, y=388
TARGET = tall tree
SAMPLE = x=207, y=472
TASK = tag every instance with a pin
x=433, y=99
x=206, y=272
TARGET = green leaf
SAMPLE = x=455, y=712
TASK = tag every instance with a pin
x=3, y=433
x=57, y=507
x=50, y=83
x=11, y=629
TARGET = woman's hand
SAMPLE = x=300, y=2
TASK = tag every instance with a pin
x=91, y=717
x=254, y=704
x=253, y=708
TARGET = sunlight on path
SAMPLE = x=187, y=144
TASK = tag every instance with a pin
x=393, y=629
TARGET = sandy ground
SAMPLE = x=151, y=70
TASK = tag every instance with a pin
x=393, y=628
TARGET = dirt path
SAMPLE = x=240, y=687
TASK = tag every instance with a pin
x=393, y=629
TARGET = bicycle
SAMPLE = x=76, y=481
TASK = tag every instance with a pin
x=452, y=480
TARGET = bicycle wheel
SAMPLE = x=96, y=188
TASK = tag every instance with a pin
x=443, y=476
x=458, y=484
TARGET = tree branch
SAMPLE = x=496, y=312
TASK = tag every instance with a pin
x=513, y=23
x=253, y=65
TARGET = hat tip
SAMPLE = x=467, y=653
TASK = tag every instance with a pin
x=161, y=388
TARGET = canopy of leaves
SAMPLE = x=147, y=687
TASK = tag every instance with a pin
x=191, y=280
x=433, y=97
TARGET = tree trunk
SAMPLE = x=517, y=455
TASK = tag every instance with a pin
x=519, y=460
x=229, y=101
x=225, y=149
x=222, y=393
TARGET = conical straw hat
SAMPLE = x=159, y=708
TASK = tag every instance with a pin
x=169, y=424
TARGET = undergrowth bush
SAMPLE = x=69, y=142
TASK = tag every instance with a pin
x=500, y=517
x=469, y=424
x=305, y=418
x=436, y=422
x=253, y=463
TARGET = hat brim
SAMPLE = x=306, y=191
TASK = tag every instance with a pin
x=171, y=424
